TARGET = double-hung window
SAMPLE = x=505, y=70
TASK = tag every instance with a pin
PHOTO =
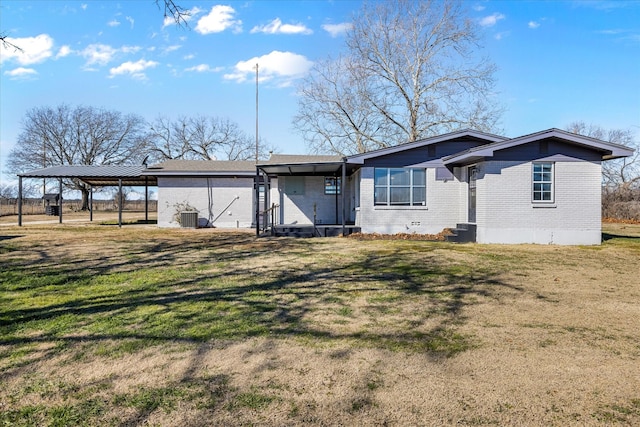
x=542, y=190
x=400, y=187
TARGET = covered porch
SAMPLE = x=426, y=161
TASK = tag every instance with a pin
x=304, y=196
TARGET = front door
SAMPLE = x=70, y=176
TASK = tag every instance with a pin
x=472, y=174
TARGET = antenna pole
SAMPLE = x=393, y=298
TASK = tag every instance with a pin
x=256, y=113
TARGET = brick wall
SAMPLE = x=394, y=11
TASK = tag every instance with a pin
x=441, y=211
x=506, y=213
x=223, y=202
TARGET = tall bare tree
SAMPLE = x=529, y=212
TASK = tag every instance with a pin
x=201, y=138
x=620, y=177
x=411, y=69
x=64, y=135
x=618, y=172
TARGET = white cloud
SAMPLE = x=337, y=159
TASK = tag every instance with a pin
x=97, y=53
x=171, y=48
x=34, y=49
x=83, y=6
x=130, y=49
x=336, y=30
x=113, y=23
x=64, y=51
x=219, y=19
x=501, y=35
x=134, y=69
x=204, y=68
x=478, y=8
x=130, y=20
x=491, y=20
x=21, y=73
x=189, y=56
x=283, y=67
x=533, y=25
x=277, y=27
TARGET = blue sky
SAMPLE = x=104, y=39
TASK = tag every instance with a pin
x=558, y=61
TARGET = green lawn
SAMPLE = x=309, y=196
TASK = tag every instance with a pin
x=94, y=301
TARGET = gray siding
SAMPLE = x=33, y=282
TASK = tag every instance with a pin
x=422, y=154
x=537, y=150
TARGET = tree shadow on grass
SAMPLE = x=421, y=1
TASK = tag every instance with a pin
x=293, y=293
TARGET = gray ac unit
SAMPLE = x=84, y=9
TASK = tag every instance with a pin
x=189, y=219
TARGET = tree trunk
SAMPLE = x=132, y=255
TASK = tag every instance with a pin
x=85, y=198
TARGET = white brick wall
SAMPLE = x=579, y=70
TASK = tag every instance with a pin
x=298, y=208
x=442, y=209
x=506, y=213
x=231, y=200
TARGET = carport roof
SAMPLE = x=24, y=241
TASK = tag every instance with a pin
x=99, y=176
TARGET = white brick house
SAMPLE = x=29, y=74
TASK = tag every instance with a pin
x=540, y=188
x=222, y=192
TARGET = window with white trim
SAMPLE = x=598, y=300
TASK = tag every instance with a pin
x=400, y=187
x=542, y=188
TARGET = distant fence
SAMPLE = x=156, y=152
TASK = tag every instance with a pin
x=37, y=207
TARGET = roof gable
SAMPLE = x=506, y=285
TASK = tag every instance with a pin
x=608, y=150
x=465, y=133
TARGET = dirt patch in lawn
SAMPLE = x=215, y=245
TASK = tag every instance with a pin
x=133, y=326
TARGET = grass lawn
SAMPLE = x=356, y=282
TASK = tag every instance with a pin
x=142, y=326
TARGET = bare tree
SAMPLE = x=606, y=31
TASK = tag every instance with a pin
x=620, y=177
x=618, y=172
x=411, y=70
x=7, y=43
x=201, y=138
x=174, y=11
x=78, y=136
x=171, y=10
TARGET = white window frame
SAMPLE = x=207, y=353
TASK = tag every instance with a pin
x=542, y=180
x=412, y=185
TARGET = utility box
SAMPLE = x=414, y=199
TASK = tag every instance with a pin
x=189, y=219
x=53, y=210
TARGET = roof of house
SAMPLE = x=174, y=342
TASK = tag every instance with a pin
x=203, y=168
x=97, y=175
x=295, y=164
x=300, y=158
x=609, y=150
x=464, y=133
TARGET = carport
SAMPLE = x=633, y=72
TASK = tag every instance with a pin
x=94, y=176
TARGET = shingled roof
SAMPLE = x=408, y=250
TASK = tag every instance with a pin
x=202, y=168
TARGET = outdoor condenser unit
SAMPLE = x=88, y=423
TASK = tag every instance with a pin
x=189, y=219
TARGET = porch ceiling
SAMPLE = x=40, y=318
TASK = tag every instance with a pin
x=324, y=168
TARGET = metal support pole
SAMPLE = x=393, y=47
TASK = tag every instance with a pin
x=265, y=204
x=91, y=203
x=342, y=187
x=146, y=199
x=257, y=196
x=119, y=202
x=60, y=200
x=19, y=201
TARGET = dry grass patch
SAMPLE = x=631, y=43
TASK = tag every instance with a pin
x=132, y=326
